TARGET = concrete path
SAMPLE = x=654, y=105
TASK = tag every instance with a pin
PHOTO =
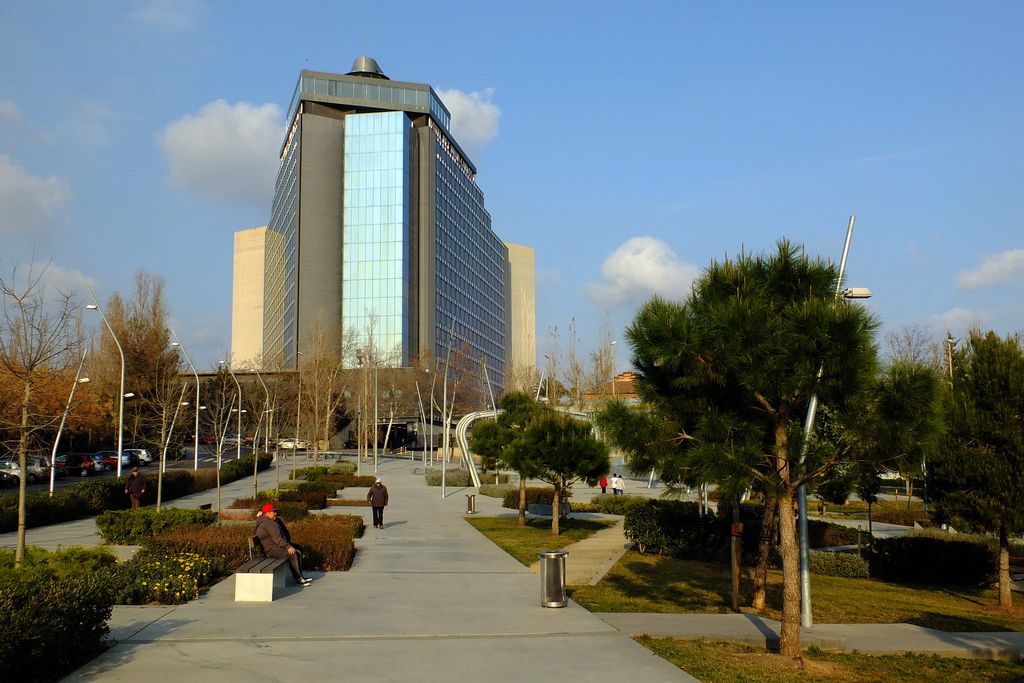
x=428, y=599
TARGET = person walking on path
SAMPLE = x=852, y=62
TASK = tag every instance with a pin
x=277, y=542
x=604, y=483
x=378, y=497
x=618, y=485
x=135, y=487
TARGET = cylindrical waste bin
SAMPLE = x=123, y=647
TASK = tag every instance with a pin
x=470, y=503
x=552, y=578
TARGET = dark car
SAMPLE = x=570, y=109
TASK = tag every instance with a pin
x=78, y=464
x=8, y=479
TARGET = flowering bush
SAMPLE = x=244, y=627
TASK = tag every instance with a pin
x=168, y=579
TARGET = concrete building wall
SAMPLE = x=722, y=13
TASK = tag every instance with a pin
x=250, y=251
x=522, y=308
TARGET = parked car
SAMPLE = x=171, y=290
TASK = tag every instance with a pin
x=144, y=456
x=292, y=444
x=80, y=464
x=8, y=479
x=37, y=468
x=128, y=459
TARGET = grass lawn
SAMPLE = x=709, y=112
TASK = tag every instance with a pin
x=647, y=583
x=713, y=662
x=523, y=543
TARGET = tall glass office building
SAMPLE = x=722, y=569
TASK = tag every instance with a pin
x=378, y=228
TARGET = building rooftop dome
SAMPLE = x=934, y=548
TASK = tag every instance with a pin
x=367, y=66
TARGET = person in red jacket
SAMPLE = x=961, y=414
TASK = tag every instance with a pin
x=277, y=542
x=604, y=483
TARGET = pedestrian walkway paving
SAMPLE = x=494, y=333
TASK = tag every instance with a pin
x=428, y=598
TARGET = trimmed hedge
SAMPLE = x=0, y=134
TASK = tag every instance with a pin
x=496, y=490
x=93, y=496
x=290, y=510
x=931, y=559
x=167, y=578
x=128, y=527
x=54, y=620
x=534, y=495
x=452, y=477
x=314, y=500
x=328, y=541
x=675, y=528
x=614, y=505
x=845, y=565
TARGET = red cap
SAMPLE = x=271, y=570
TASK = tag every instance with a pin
x=269, y=507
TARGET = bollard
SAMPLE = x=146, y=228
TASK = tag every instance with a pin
x=470, y=503
x=552, y=578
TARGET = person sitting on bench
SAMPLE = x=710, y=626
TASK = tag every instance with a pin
x=277, y=542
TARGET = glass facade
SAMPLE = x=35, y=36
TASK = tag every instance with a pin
x=375, y=261
x=280, y=296
x=469, y=264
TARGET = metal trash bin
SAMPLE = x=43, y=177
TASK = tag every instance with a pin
x=552, y=578
x=470, y=503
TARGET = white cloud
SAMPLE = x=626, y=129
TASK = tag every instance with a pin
x=88, y=124
x=173, y=15
x=474, y=117
x=56, y=280
x=993, y=270
x=225, y=152
x=9, y=111
x=31, y=204
x=640, y=268
x=957, y=319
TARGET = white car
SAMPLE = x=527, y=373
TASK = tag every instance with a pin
x=292, y=444
x=143, y=455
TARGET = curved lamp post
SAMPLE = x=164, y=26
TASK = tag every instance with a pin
x=67, y=409
x=195, y=452
x=238, y=439
x=120, y=413
x=806, y=619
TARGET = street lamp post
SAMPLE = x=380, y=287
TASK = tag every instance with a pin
x=195, y=451
x=806, y=619
x=67, y=409
x=120, y=413
x=238, y=438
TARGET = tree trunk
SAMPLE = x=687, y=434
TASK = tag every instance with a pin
x=522, y=500
x=789, y=640
x=764, y=549
x=871, y=531
x=19, y=551
x=556, y=507
x=1005, y=596
x=736, y=538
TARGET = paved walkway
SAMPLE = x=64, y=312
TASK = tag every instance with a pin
x=428, y=599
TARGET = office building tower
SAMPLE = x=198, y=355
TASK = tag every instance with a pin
x=378, y=227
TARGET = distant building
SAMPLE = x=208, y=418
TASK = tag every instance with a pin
x=250, y=255
x=377, y=223
x=522, y=310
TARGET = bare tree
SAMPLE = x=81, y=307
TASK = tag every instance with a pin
x=36, y=343
x=324, y=381
x=574, y=374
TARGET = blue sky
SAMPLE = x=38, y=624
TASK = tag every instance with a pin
x=630, y=144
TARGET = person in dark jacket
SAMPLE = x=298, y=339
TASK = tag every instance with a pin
x=135, y=487
x=277, y=542
x=378, y=497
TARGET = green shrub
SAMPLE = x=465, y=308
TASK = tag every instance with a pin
x=892, y=515
x=584, y=507
x=233, y=470
x=929, y=559
x=324, y=487
x=495, y=478
x=314, y=500
x=845, y=565
x=127, y=527
x=342, y=468
x=496, y=490
x=821, y=534
x=675, y=528
x=290, y=510
x=615, y=505
x=452, y=477
x=534, y=496
x=52, y=623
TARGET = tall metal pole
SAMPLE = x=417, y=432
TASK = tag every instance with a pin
x=806, y=619
x=195, y=445
x=120, y=411
x=433, y=402
x=67, y=409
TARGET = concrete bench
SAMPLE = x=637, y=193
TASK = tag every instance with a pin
x=260, y=579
